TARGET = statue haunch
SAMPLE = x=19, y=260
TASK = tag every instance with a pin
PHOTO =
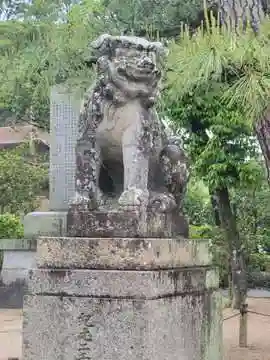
x=123, y=151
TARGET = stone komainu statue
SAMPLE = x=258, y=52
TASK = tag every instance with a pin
x=123, y=151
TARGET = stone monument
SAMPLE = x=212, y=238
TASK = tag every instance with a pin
x=124, y=155
x=125, y=282
x=64, y=115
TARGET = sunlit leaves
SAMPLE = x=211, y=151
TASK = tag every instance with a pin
x=40, y=52
x=219, y=141
x=20, y=180
x=242, y=60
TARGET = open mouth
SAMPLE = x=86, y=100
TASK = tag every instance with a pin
x=136, y=69
x=138, y=72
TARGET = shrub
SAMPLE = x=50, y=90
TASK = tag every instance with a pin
x=259, y=262
x=22, y=176
x=201, y=231
x=218, y=247
x=10, y=226
x=258, y=279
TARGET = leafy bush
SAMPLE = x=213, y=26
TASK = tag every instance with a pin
x=264, y=241
x=258, y=279
x=10, y=226
x=218, y=247
x=197, y=204
x=22, y=177
x=259, y=262
x=201, y=232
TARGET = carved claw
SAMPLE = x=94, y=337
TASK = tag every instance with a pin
x=163, y=203
x=81, y=201
x=88, y=202
x=133, y=197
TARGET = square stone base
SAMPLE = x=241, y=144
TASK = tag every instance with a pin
x=50, y=223
x=124, y=223
x=122, y=315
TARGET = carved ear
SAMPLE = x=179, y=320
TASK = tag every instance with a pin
x=102, y=40
x=102, y=46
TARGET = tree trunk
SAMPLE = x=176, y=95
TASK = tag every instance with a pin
x=228, y=224
x=215, y=209
x=235, y=13
x=262, y=130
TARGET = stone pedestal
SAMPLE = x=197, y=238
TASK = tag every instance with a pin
x=48, y=223
x=122, y=299
x=18, y=258
x=125, y=223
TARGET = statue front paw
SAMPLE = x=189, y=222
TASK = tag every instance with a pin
x=80, y=200
x=162, y=203
x=133, y=197
x=84, y=202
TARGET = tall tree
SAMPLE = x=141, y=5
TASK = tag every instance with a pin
x=240, y=60
x=163, y=17
x=239, y=13
x=235, y=14
x=218, y=144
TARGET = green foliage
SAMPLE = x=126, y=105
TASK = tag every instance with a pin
x=258, y=279
x=259, y=262
x=39, y=52
x=252, y=208
x=200, y=232
x=43, y=43
x=218, y=138
x=217, y=86
x=24, y=76
x=219, y=141
x=22, y=176
x=222, y=56
x=218, y=247
x=10, y=226
x=162, y=17
x=197, y=204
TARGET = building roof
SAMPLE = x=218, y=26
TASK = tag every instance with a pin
x=18, y=134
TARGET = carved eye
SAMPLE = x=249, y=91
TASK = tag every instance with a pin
x=121, y=71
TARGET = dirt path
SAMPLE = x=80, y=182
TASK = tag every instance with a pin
x=258, y=333
x=10, y=333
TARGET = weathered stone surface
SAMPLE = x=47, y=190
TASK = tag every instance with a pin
x=16, y=265
x=11, y=295
x=73, y=328
x=14, y=273
x=64, y=116
x=122, y=298
x=124, y=284
x=124, y=223
x=121, y=253
x=18, y=244
x=123, y=151
x=51, y=223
